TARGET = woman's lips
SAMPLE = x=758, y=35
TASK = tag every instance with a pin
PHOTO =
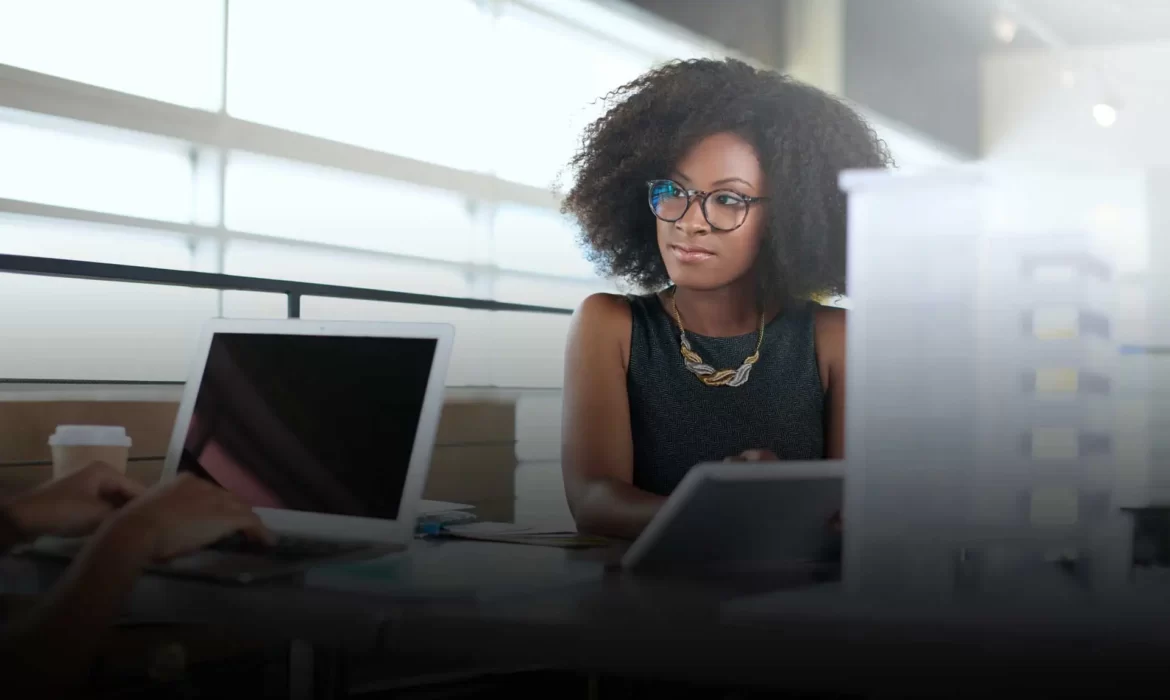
x=691, y=254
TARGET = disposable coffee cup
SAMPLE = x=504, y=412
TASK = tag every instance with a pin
x=77, y=446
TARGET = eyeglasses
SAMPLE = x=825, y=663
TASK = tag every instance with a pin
x=724, y=210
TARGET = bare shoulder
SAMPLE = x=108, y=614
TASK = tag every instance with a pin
x=830, y=323
x=830, y=339
x=601, y=321
x=604, y=314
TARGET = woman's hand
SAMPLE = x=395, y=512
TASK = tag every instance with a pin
x=754, y=456
x=73, y=505
x=183, y=516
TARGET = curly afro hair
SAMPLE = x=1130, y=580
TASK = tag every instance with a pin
x=803, y=137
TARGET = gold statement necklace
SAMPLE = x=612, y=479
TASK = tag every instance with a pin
x=705, y=372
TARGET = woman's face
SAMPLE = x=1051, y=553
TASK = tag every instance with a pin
x=697, y=253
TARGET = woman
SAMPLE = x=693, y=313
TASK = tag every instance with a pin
x=715, y=185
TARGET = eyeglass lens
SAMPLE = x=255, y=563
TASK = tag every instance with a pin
x=724, y=210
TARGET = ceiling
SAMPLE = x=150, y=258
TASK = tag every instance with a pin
x=1068, y=22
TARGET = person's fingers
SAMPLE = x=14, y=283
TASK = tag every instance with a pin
x=253, y=528
x=227, y=503
x=118, y=488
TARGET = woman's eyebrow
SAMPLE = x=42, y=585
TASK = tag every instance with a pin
x=729, y=180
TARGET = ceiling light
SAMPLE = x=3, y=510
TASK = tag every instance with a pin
x=1004, y=28
x=1105, y=114
x=1068, y=78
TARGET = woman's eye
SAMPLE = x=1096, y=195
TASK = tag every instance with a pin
x=729, y=200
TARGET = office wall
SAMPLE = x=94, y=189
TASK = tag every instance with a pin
x=910, y=61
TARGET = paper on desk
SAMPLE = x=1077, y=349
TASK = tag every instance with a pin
x=515, y=534
x=435, y=507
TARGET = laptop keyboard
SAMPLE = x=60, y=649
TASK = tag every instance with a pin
x=286, y=547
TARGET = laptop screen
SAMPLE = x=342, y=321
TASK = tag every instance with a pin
x=311, y=423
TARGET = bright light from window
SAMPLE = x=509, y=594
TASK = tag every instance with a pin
x=537, y=241
x=170, y=51
x=308, y=203
x=1105, y=114
x=89, y=171
x=286, y=261
x=410, y=78
x=49, y=238
x=560, y=95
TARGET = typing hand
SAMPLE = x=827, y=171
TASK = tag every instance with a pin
x=186, y=515
x=73, y=505
x=754, y=456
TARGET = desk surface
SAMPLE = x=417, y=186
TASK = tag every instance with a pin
x=542, y=606
x=564, y=608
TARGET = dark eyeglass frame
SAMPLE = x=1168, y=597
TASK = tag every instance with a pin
x=703, y=197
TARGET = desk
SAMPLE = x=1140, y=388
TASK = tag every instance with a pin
x=533, y=606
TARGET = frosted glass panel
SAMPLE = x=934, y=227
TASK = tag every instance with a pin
x=254, y=305
x=170, y=51
x=403, y=77
x=81, y=329
x=559, y=74
x=50, y=238
x=528, y=350
x=309, y=203
x=565, y=294
x=277, y=261
x=113, y=175
x=538, y=241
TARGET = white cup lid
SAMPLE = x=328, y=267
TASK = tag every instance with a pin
x=90, y=435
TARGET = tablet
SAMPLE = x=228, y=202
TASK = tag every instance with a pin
x=738, y=518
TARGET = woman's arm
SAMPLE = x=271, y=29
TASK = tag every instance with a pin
x=830, y=342
x=597, y=452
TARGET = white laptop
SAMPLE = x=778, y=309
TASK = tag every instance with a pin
x=325, y=428
x=745, y=518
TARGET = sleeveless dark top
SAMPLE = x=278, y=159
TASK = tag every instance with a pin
x=677, y=421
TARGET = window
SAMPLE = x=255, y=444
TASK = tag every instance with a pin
x=565, y=294
x=288, y=262
x=538, y=241
x=81, y=329
x=633, y=26
x=528, y=350
x=560, y=75
x=308, y=203
x=51, y=238
x=100, y=170
x=409, y=78
x=498, y=89
x=170, y=51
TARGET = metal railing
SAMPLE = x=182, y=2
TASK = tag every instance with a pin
x=293, y=291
